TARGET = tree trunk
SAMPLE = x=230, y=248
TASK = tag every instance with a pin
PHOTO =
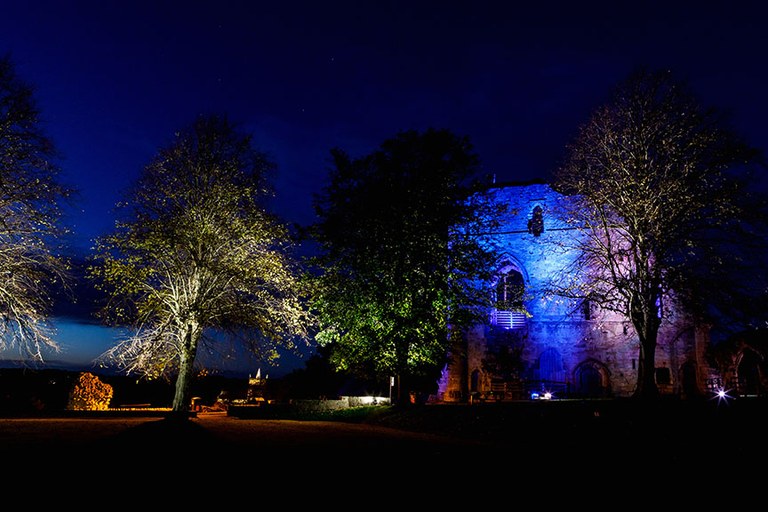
x=403, y=390
x=647, y=328
x=459, y=359
x=646, y=370
x=402, y=372
x=181, y=397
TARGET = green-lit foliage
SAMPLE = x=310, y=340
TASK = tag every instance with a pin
x=197, y=252
x=402, y=263
x=656, y=202
x=30, y=194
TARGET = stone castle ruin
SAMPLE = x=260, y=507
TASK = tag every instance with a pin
x=561, y=347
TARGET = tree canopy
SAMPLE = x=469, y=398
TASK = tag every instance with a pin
x=197, y=259
x=657, y=188
x=31, y=196
x=400, y=256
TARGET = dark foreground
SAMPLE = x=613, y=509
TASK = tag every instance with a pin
x=469, y=450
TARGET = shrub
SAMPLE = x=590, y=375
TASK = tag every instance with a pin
x=89, y=394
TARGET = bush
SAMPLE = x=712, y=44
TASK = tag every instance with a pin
x=89, y=394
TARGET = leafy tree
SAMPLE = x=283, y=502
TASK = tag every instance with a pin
x=198, y=260
x=319, y=378
x=400, y=257
x=653, y=179
x=30, y=215
x=89, y=393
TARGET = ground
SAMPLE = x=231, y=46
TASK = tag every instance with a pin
x=484, y=447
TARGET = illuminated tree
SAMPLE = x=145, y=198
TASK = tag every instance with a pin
x=656, y=198
x=30, y=195
x=89, y=393
x=401, y=257
x=198, y=260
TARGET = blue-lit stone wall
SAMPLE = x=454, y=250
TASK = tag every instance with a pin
x=561, y=349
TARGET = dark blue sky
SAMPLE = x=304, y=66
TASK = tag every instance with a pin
x=115, y=79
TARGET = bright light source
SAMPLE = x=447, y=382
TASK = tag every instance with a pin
x=722, y=395
x=373, y=400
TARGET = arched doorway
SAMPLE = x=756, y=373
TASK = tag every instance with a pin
x=550, y=372
x=551, y=366
x=592, y=380
x=749, y=373
x=474, y=381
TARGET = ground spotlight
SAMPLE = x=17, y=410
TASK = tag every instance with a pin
x=722, y=395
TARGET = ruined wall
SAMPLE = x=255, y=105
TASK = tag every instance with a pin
x=594, y=356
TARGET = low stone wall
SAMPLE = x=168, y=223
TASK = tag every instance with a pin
x=302, y=407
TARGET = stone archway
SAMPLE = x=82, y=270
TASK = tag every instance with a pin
x=474, y=381
x=748, y=371
x=592, y=379
x=551, y=368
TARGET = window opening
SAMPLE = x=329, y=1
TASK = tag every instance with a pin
x=509, y=301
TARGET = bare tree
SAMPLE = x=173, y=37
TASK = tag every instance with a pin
x=30, y=196
x=652, y=194
x=198, y=259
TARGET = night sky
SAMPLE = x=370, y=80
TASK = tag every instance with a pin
x=115, y=80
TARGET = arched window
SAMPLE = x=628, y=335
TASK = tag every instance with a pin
x=509, y=309
x=536, y=221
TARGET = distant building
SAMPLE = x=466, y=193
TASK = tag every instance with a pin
x=256, y=387
x=567, y=348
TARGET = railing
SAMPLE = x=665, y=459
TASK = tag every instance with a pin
x=734, y=387
x=508, y=319
x=522, y=390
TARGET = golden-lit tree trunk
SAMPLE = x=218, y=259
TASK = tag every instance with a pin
x=181, y=398
x=197, y=250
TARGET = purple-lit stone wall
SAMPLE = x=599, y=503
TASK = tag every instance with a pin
x=560, y=345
